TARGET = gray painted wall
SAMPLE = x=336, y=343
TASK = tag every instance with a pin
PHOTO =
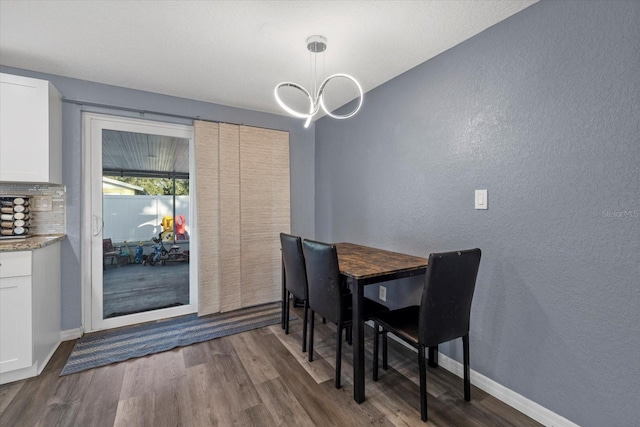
x=301, y=160
x=543, y=110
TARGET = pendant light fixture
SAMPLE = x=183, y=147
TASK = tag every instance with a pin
x=315, y=45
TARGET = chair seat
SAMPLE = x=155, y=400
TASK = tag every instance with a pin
x=404, y=321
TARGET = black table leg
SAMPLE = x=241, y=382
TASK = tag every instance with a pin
x=357, y=290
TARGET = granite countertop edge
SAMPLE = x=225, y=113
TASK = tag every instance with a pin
x=31, y=242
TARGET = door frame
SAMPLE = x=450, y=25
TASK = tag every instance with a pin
x=92, y=126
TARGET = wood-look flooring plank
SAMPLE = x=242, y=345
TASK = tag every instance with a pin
x=8, y=392
x=100, y=401
x=320, y=372
x=27, y=407
x=169, y=374
x=206, y=399
x=63, y=406
x=196, y=354
x=137, y=380
x=258, y=415
x=282, y=404
x=258, y=368
x=398, y=411
x=137, y=411
x=240, y=393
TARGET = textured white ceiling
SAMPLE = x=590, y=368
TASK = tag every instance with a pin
x=235, y=52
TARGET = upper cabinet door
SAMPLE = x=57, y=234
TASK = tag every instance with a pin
x=30, y=130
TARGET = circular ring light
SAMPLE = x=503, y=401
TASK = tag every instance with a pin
x=321, y=96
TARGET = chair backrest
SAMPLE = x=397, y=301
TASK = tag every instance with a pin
x=325, y=287
x=295, y=272
x=449, y=284
x=107, y=245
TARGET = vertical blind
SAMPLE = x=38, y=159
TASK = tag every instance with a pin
x=264, y=211
x=243, y=203
x=230, y=263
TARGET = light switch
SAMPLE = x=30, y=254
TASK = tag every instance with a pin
x=481, y=199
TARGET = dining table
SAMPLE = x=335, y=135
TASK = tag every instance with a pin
x=363, y=266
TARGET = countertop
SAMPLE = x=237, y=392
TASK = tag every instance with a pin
x=31, y=242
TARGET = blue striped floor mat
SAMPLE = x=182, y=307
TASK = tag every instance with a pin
x=103, y=348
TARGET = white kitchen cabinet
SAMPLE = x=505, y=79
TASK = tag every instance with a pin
x=16, y=351
x=29, y=311
x=30, y=130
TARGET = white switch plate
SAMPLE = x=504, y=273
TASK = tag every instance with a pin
x=481, y=199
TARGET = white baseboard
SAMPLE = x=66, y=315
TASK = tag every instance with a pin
x=527, y=406
x=508, y=396
x=70, y=334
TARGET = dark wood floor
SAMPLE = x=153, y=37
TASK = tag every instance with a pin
x=257, y=378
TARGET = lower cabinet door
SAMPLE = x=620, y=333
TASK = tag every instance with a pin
x=16, y=339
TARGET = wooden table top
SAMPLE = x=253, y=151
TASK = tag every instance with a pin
x=363, y=262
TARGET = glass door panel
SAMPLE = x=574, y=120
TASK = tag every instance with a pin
x=141, y=222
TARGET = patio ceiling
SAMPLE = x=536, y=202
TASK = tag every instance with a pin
x=138, y=154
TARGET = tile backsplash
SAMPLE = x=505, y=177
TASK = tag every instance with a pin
x=49, y=222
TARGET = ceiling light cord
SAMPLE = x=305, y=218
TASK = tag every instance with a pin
x=315, y=45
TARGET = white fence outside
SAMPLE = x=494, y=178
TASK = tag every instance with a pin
x=139, y=218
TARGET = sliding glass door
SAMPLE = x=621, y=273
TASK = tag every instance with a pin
x=141, y=230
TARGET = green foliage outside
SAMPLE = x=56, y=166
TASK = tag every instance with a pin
x=157, y=186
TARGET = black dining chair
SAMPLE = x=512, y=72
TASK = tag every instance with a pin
x=442, y=316
x=295, y=280
x=329, y=296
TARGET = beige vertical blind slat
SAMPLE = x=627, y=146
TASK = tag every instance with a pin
x=230, y=291
x=264, y=211
x=207, y=192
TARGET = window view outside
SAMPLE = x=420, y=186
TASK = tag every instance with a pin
x=146, y=244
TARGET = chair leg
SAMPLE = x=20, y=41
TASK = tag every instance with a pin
x=375, y=351
x=349, y=333
x=338, y=354
x=423, y=383
x=287, y=309
x=433, y=356
x=465, y=357
x=311, y=337
x=385, y=364
x=304, y=326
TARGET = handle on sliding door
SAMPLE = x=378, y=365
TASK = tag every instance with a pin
x=97, y=225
